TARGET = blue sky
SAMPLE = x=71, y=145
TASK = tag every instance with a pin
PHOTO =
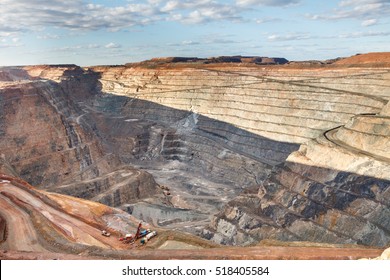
x=119, y=31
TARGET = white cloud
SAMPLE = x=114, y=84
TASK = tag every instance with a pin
x=9, y=40
x=6, y=34
x=85, y=48
x=93, y=46
x=12, y=45
x=23, y=15
x=347, y=3
x=189, y=42
x=48, y=36
x=200, y=11
x=266, y=20
x=38, y=15
x=170, y=6
x=247, y=3
x=369, y=22
x=211, y=39
x=364, y=34
x=358, y=9
x=289, y=37
x=112, y=46
x=154, y=2
x=184, y=43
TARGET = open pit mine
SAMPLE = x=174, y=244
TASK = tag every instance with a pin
x=227, y=157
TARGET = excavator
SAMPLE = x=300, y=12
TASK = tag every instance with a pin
x=129, y=238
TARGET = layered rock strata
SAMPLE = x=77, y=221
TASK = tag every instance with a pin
x=277, y=108
x=47, y=139
x=299, y=151
x=280, y=104
x=335, y=187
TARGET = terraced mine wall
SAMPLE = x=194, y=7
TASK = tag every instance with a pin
x=335, y=194
x=307, y=203
x=45, y=142
x=246, y=152
x=287, y=105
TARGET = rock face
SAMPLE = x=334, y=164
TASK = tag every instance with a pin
x=235, y=152
x=300, y=202
x=335, y=187
x=286, y=105
x=46, y=141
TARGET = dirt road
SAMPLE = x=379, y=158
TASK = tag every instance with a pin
x=21, y=231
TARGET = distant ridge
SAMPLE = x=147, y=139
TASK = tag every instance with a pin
x=220, y=59
x=376, y=58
